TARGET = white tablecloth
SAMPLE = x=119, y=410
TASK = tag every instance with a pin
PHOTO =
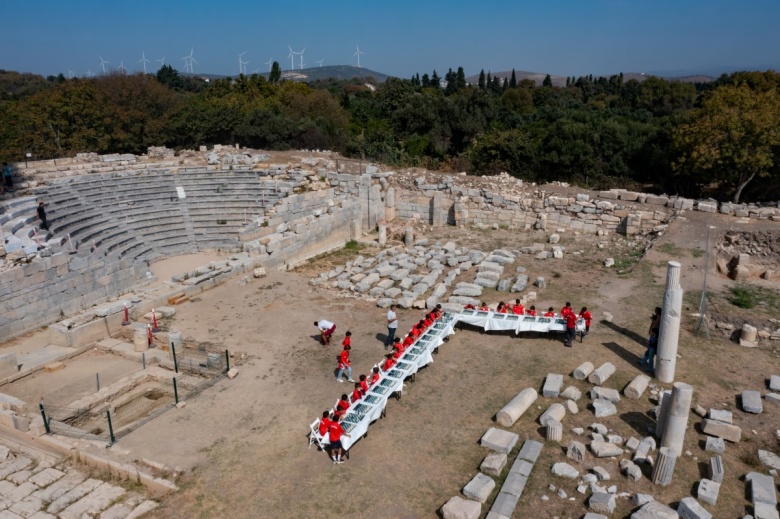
x=489, y=320
x=369, y=408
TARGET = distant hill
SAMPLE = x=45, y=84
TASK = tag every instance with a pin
x=560, y=81
x=340, y=72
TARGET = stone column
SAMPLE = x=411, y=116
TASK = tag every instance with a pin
x=554, y=431
x=140, y=337
x=554, y=412
x=663, y=401
x=664, y=467
x=382, y=235
x=666, y=356
x=676, y=420
x=509, y=414
x=355, y=229
x=409, y=237
x=390, y=204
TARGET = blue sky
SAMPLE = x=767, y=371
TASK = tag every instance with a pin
x=400, y=37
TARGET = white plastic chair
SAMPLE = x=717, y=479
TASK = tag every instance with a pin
x=314, y=435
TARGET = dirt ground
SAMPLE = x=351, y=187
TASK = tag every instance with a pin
x=242, y=444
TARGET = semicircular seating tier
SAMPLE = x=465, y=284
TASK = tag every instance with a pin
x=140, y=215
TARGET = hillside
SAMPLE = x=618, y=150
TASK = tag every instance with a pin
x=339, y=72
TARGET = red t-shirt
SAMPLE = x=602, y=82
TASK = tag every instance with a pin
x=397, y=354
x=375, y=378
x=587, y=316
x=415, y=332
x=428, y=322
x=342, y=406
x=347, y=341
x=549, y=314
x=571, y=320
x=344, y=359
x=485, y=308
x=389, y=363
x=469, y=307
x=335, y=430
x=324, y=423
x=364, y=386
x=357, y=394
x=531, y=312
x=408, y=341
x=565, y=310
x=518, y=309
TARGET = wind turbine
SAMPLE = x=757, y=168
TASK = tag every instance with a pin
x=89, y=73
x=292, y=58
x=240, y=62
x=103, y=63
x=270, y=63
x=70, y=73
x=189, y=60
x=161, y=62
x=301, y=55
x=122, y=66
x=143, y=60
x=319, y=62
x=358, y=53
x=243, y=64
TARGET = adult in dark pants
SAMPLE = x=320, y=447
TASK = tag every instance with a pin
x=571, y=327
x=8, y=177
x=42, y=216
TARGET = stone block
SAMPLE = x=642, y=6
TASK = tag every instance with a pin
x=689, y=508
x=499, y=440
x=54, y=366
x=552, y=385
x=565, y=470
x=554, y=412
x=505, y=504
x=514, y=484
x=459, y=508
x=600, y=375
x=751, y=402
x=721, y=415
x=604, y=393
x=763, y=511
x=604, y=408
x=636, y=387
x=530, y=451
x=707, y=492
x=575, y=451
x=522, y=467
x=493, y=463
x=726, y=431
x=602, y=502
x=716, y=469
x=716, y=445
x=770, y=459
x=603, y=449
x=774, y=383
x=571, y=393
x=762, y=488
x=479, y=488
x=655, y=510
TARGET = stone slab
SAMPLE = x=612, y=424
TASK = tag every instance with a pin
x=689, y=508
x=707, y=491
x=530, y=451
x=459, y=508
x=726, y=431
x=479, y=488
x=762, y=488
x=552, y=385
x=493, y=463
x=751, y=402
x=655, y=510
x=499, y=440
x=514, y=484
x=505, y=504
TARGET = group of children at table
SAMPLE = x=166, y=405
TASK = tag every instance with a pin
x=330, y=423
x=567, y=313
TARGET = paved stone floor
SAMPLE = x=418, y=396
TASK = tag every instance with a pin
x=46, y=489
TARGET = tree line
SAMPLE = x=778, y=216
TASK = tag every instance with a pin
x=713, y=138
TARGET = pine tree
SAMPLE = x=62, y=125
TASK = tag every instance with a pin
x=547, y=81
x=461, y=78
x=513, y=80
x=568, y=81
x=426, y=81
x=276, y=73
x=481, y=79
x=435, y=80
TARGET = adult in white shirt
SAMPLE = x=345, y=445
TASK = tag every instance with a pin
x=392, y=326
x=326, y=330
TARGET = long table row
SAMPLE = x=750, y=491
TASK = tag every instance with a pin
x=368, y=409
x=490, y=320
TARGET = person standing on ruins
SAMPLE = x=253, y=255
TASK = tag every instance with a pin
x=326, y=330
x=42, y=216
x=571, y=326
x=587, y=317
x=655, y=322
x=392, y=326
x=8, y=177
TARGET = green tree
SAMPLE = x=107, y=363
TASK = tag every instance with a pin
x=481, y=82
x=513, y=80
x=276, y=73
x=547, y=81
x=733, y=137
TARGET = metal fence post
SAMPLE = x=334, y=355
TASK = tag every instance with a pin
x=175, y=363
x=143, y=359
x=45, y=421
x=175, y=391
x=227, y=361
x=110, y=428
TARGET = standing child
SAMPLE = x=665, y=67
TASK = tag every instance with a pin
x=344, y=364
x=335, y=432
x=587, y=317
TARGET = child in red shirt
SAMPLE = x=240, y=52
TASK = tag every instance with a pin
x=374, y=377
x=550, y=312
x=428, y=321
x=566, y=309
x=469, y=307
x=344, y=364
x=408, y=341
x=531, y=311
x=397, y=344
x=324, y=422
x=357, y=393
x=518, y=308
x=571, y=327
x=414, y=332
x=347, y=340
x=389, y=363
x=484, y=307
x=437, y=313
x=396, y=353
x=335, y=432
x=586, y=315
x=341, y=406
x=363, y=384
